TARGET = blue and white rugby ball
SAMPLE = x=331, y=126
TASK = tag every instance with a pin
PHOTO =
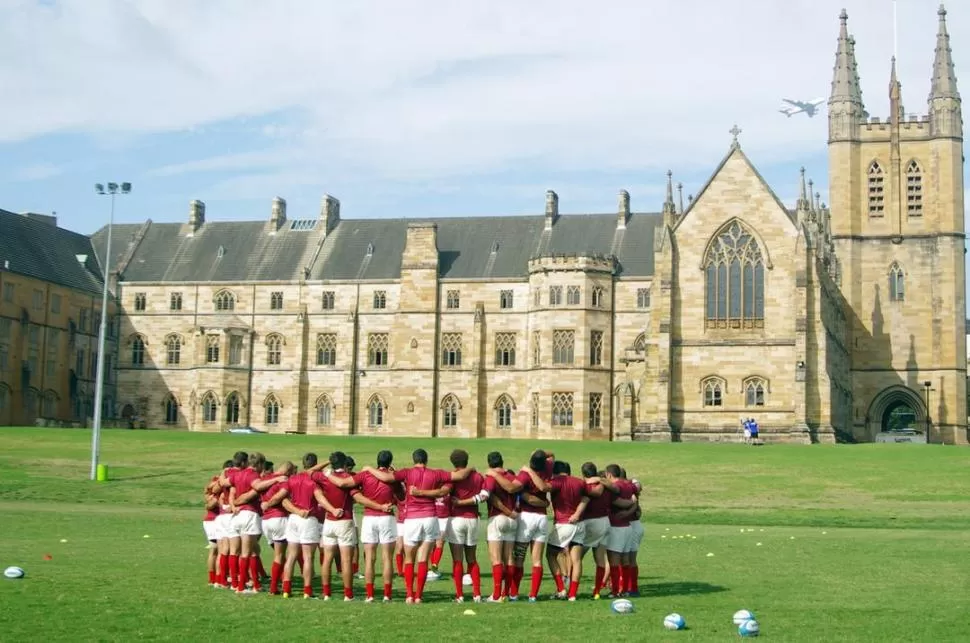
x=743, y=615
x=749, y=628
x=674, y=622
x=13, y=572
x=621, y=606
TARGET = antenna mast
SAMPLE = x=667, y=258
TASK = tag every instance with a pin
x=895, y=34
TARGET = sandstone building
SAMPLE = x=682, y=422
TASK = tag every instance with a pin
x=818, y=321
x=50, y=314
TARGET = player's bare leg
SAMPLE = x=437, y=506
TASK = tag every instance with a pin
x=309, y=553
x=471, y=558
x=347, y=570
x=410, y=554
x=235, y=545
x=554, y=559
x=575, y=570
x=370, y=559
x=537, y=551
x=498, y=556
x=387, y=569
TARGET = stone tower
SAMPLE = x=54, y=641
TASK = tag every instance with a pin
x=896, y=193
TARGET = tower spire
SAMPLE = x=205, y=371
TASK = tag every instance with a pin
x=944, y=100
x=895, y=96
x=803, y=203
x=845, y=101
x=670, y=210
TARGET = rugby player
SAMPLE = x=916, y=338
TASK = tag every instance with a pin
x=274, y=523
x=379, y=525
x=503, y=521
x=569, y=502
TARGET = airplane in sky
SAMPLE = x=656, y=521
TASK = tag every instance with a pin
x=809, y=108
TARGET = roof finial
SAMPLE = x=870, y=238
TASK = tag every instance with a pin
x=669, y=208
x=895, y=95
x=735, y=131
x=680, y=198
x=802, y=194
x=811, y=199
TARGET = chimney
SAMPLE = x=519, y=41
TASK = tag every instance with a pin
x=277, y=215
x=330, y=213
x=196, y=215
x=623, y=210
x=552, y=208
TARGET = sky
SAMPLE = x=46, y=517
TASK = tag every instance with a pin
x=417, y=108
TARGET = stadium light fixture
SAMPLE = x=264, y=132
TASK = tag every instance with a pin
x=112, y=190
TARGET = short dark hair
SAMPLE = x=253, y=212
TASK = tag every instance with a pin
x=338, y=460
x=384, y=459
x=240, y=458
x=309, y=460
x=622, y=472
x=495, y=459
x=350, y=463
x=589, y=470
x=614, y=470
x=267, y=467
x=420, y=456
x=459, y=458
x=561, y=467
x=538, y=461
x=227, y=464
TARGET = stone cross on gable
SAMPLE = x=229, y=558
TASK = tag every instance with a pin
x=734, y=131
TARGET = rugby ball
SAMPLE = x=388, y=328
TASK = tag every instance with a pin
x=621, y=606
x=466, y=579
x=749, y=628
x=743, y=615
x=674, y=622
x=13, y=572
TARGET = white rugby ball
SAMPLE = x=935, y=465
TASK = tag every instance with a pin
x=749, y=628
x=13, y=572
x=466, y=579
x=674, y=622
x=743, y=615
x=621, y=606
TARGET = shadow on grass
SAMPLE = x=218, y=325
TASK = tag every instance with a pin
x=167, y=474
x=679, y=588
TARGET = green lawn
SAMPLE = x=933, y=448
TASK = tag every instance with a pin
x=857, y=543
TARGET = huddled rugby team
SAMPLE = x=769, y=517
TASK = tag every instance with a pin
x=408, y=516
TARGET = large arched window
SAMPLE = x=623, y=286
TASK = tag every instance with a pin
x=897, y=283
x=272, y=409
x=503, y=411
x=735, y=280
x=376, y=412
x=173, y=350
x=449, y=411
x=755, y=391
x=713, y=389
x=137, y=350
x=171, y=409
x=914, y=189
x=274, y=350
x=225, y=300
x=876, y=193
x=232, y=408
x=209, y=407
x=324, y=410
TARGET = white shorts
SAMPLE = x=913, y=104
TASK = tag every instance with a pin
x=223, y=526
x=462, y=531
x=246, y=523
x=421, y=530
x=596, y=530
x=303, y=531
x=211, y=530
x=636, y=537
x=501, y=528
x=564, y=535
x=275, y=529
x=619, y=539
x=443, y=526
x=533, y=527
x=340, y=533
x=378, y=530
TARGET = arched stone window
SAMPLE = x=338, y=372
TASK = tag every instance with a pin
x=324, y=410
x=376, y=412
x=171, y=409
x=503, y=411
x=232, y=408
x=876, y=190
x=755, y=391
x=713, y=389
x=274, y=349
x=137, y=350
x=209, y=407
x=735, y=280
x=225, y=300
x=449, y=411
x=914, y=189
x=897, y=283
x=173, y=350
x=272, y=406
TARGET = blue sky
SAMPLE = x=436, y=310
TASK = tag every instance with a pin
x=410, y=108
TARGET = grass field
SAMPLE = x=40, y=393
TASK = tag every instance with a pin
x=857, y=543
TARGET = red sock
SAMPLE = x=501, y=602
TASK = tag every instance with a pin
x=349, y=591
x=457, y=572
x=518, y=573
x=287, y=587
x=598, y=582
x=369, y=590
x=634, y=584
x=498, y=574
x=436, y=555
x=223, y=563
x=212, y=578
x=409, y=579
x=615, y=579
x=243, y=573
x=274, y=581
x=308, y=590
x=399, y=563
x=260, y=568
x=234, y=570
x=509, y=580
x=254, y=572
x=356, y=566
x=536, y=580
x=327, y=590
x=560, y=585
x=476, y=574
x=387, y=590
x=422, y=577
x=573, y=588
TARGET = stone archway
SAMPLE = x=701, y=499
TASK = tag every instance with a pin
x=896, y=408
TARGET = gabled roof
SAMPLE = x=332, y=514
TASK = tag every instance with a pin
x=465, y=246
x=35, y=247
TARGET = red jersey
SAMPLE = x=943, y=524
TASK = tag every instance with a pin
x=528, y=487
x=424, y=479
x=278, y=511
x=599, y=506
x=373, y=489
x=627, y=490
x=442, y=507
x=463, y=490
x=242, y=481
x=500, y=494
x=301, y=488
x=210, y=514
x=339, y=498
x=567, y=492
x=400, y=500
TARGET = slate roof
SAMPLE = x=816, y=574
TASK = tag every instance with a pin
x=35, y=247
x=251, y=253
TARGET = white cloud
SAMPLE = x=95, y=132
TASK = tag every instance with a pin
x=409, y=89
x=36, y=172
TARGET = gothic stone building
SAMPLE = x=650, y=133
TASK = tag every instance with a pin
x=816, y=321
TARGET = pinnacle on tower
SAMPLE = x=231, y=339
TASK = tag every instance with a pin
x=669, y=206
x=846, y=111
x=803, y=203
x=944, y=99
x=895, y=95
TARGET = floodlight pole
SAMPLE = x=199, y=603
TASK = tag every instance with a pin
x=112, y=190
